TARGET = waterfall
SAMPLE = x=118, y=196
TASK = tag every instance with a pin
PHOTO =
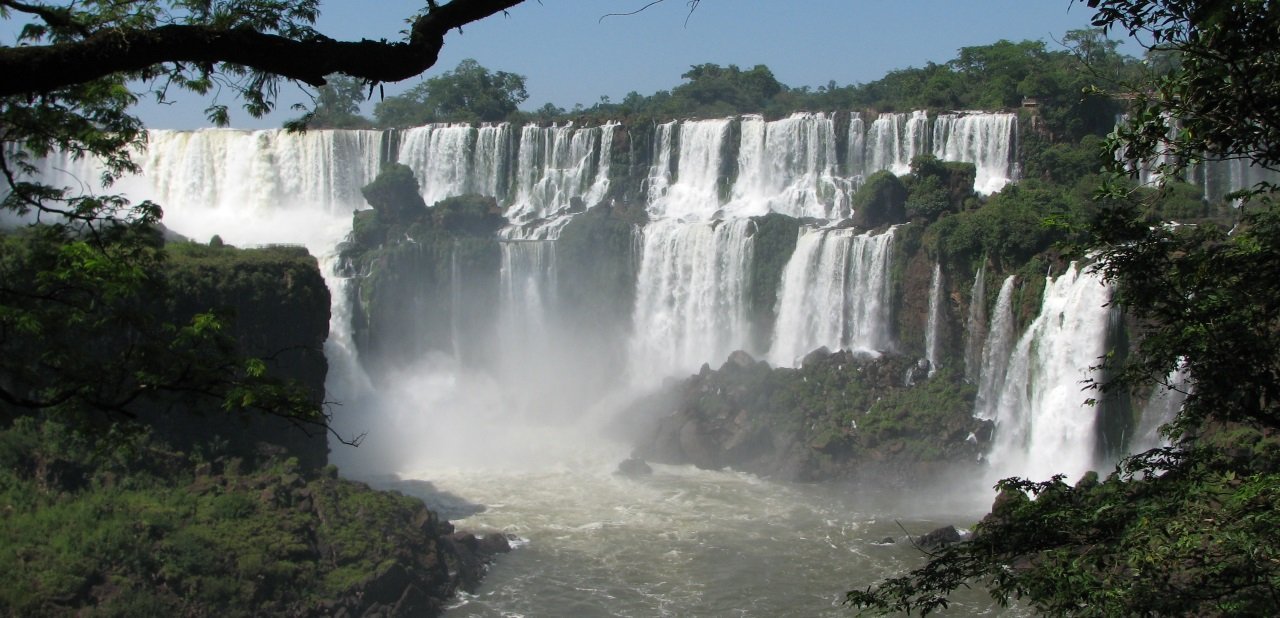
x=789, y=166
x=250, y=187
x=227, y=169
x=1043, y=425
x=456, y=159
x=559, y=164
x=660, y=173
x=835, y=293
x=690, y=297
x=529, y=333
x=1218, y=177
x=694, y=193
x=935, y=319
x=692, y=258
x=894, y=140
x=986, y=140
x=857, y=160
x=1215, y=176
x=995, y=353
x=1165, y=403
x=975, y=326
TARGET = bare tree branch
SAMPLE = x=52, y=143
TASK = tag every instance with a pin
x=44, y=68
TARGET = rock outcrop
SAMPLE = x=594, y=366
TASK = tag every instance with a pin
x=841, y=415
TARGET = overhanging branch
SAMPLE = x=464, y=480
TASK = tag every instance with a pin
x=44, y=68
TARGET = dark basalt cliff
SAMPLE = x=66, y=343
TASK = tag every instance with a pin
x=839, y=416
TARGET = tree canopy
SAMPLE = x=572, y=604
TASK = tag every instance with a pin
x=468, y=93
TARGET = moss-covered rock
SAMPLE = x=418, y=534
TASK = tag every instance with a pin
x=773, y=240
x=417, y=268
x=839, y=416
x=880, y=201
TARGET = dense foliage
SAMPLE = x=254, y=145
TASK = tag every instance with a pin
x=468, y=93
x=112, y=344
x=129, y=526
x=1187, y=529
x=102, y=333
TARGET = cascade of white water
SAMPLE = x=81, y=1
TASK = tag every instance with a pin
x=788, y=166
x=995, y=353
x=694, y=194
x=895, y=139
x=690, y=297
x=857, y=160
x=660, y=173
x=976, y=325
x=261, y=170
x=456, y=159
x=1218, y=177
x=600, y=187
x=986, y=140
x=935, y=319
x=557, y=164
x=1165, y=403
x=835, y=293
x=250, y=187
x=1043, y=424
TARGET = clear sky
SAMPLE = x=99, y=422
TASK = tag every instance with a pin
x=571, y=55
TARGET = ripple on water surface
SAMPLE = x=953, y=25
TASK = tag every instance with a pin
x=682, y=542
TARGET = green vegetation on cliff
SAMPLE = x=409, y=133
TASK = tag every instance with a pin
x=414, y=262
x=840, y=415
x=1186, y=529
x=129, y=526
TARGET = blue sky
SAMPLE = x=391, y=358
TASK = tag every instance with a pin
x=570, y=55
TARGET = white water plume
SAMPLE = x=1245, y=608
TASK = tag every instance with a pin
x=995, y=353
x=986, y=140
x=789, y=166
x=835, y=293
x=558, y=164
x=856, y=164
x=690, y=297
x=456, y=159
x=692, y=192
x=934, y=321
x=893, y=140
x=1043, y=424
x=976, y=325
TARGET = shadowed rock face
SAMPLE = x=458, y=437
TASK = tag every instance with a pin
x=278, y=309
x=839, y=416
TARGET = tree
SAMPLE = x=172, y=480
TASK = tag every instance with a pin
x=468, y=93
x=714, y=89
x=337, y=105
x=80, y=333
x=1187, y=529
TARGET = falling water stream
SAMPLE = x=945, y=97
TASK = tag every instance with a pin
x=512, y=447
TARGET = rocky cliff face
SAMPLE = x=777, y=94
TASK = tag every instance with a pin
x=278, y=307
x=840, y=415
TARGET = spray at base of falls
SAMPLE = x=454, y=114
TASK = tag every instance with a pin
x=508, y=430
